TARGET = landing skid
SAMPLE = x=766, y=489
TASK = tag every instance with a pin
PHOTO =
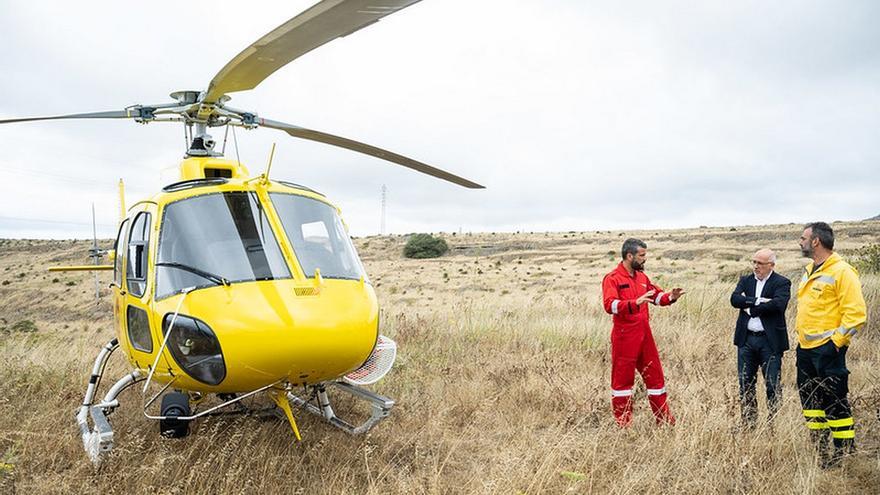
x=380, y=405
x=97, y=433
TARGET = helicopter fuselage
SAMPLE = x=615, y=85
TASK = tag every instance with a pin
x=224, y=283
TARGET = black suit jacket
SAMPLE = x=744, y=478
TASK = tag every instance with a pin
x=772, y=313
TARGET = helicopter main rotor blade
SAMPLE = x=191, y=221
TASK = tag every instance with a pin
x=367, y=149
x=141, y=113
x=113, y=114
x=323, y=22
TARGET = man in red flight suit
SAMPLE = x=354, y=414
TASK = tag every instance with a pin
x=626, y=293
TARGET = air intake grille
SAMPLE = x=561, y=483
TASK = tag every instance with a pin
x=305, y=291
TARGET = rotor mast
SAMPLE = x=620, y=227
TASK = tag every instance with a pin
x=198, y=116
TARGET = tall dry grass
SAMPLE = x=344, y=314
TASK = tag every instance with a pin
x=502, y=385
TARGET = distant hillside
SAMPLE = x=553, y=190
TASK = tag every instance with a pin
x=873, y=218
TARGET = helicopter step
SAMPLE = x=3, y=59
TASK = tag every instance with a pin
x=380, y=406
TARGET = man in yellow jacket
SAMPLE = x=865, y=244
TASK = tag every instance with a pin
x=831, y=310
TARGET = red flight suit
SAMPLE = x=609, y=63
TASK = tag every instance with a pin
x=632, y=343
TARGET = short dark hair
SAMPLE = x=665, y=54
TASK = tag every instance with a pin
x=823, y=232
x=631, y=246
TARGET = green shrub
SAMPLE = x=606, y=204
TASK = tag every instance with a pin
x=424, y=246
x=24, y=326
x=867, y=259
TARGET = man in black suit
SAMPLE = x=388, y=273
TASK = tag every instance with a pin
x=761, y=335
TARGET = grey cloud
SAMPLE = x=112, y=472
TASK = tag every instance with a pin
x=573, y=114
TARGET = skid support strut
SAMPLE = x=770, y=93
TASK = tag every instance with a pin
x=381, y=406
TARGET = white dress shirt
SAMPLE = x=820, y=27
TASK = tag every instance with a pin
x=755, y=324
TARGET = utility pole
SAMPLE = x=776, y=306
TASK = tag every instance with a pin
x=95, y=255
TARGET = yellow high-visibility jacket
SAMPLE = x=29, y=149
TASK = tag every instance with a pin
x=830, y=304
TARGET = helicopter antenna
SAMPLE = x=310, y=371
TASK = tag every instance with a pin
x=382, y=217
x=121, y=190
x=269, y=165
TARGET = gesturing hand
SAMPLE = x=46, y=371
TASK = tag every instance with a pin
x=647, y=296
x=675, y=293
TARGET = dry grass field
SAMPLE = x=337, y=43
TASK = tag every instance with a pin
x=502, y=381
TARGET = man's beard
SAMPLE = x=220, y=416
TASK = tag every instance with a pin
x=638, y=266
x=807, y=251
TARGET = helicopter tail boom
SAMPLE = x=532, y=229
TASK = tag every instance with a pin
x=81, y=268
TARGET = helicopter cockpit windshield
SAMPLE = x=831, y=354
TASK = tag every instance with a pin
x=216, y=238
x=318, y=237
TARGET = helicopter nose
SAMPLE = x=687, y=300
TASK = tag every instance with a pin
x=268, y=332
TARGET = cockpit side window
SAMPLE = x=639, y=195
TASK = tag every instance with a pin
x=138, y=242
x=120, y=249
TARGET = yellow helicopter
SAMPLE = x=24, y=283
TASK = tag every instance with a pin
x=235, y=284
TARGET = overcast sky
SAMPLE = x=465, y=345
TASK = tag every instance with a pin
x=576, y=115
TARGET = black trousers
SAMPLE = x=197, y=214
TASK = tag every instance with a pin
x=753, y=354
x=823, y=386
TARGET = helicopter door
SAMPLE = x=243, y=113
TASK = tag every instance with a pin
x=134, y=297
x=118, y=266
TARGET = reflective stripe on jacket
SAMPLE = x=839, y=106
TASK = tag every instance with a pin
x=830, y=304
